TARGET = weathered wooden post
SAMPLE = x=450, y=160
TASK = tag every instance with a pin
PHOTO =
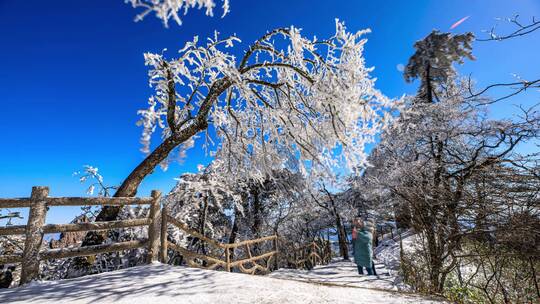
x=276, y=249
x=328, y=254
x=34, y=234
x=227, y=259
x=163, y=236
x=153, y=228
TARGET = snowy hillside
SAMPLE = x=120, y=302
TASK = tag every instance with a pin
x=158, y=283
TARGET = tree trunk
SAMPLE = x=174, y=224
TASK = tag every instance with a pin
x=132, y=182
x=342, y=236
x=234, y=231
x=435, y=261
x=429, y=87
x=257, y=220
x=202, y=223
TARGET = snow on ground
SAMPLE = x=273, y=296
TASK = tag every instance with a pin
x=342, y=273
x=345, y=273
x=159, y=283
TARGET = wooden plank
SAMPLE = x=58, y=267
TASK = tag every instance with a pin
x=13, y=230
x=192, y=254
x=59, y=228
x=194, y=233
x=15, y=202
x=227, y=260
x=249, y=242
x=248, y=251
x=153, y=228
x=34, y=235
x=76, y=201
x=98, y=201
x=93, y=226
x=61, y=253
x=276, y=249
x=253, y=269
x=262, y=256
x=10, y=259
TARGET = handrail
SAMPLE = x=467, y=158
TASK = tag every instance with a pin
x=35, y=228
x=79, y=227
x=76, y=201
x=193, y=232
x=315, y=252
x=215, y=243
x=213, y=262
x=255, y=258
x=156, y=243
x=249, y=242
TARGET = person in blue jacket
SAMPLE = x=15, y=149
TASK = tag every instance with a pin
x=362, y=237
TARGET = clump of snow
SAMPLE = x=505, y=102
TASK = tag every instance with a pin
x=169, y=284
x=37, y=283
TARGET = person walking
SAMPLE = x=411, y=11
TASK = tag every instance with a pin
x=362, y=247
x=371, y=227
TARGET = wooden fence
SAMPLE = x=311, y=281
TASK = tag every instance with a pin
x=317, y=252
x=219, y=255
x=34, y=230
x=225, y=256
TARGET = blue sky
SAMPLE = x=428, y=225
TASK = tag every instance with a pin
x=73, y=75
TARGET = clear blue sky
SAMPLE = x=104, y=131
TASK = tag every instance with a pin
x=73, y=75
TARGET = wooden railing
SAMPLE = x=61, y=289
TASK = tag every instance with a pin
x=34, y=230
x=317, y=252
x=220, y=255
x=224, y=256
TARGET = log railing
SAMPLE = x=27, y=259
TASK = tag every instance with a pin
x=258, y=256
x=317, y=252
x=220, y=255
x=34, y=230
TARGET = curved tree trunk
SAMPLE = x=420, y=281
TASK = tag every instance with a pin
x=128, y=188
x=132, y=182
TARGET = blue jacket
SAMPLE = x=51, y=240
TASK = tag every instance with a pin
x=362, y=248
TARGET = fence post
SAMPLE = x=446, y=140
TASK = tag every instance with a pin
x=163, y=236
x=276, y=249
x=227, y=259
x=34, y=234
x=153, y=228
x=327, y=252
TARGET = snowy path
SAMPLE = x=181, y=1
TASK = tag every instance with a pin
x=342, y=273
x=345, y=273
x=159, y=283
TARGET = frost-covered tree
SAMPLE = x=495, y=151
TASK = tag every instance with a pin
x=429, y=166
x=432, y=62
x=229, y=207
x=173, y=9
x=200, y=200
x=289, y=101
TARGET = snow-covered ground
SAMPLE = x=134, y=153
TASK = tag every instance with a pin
x=345, y=273
x=158, y=283
x=342, y=273
x=337, y=282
